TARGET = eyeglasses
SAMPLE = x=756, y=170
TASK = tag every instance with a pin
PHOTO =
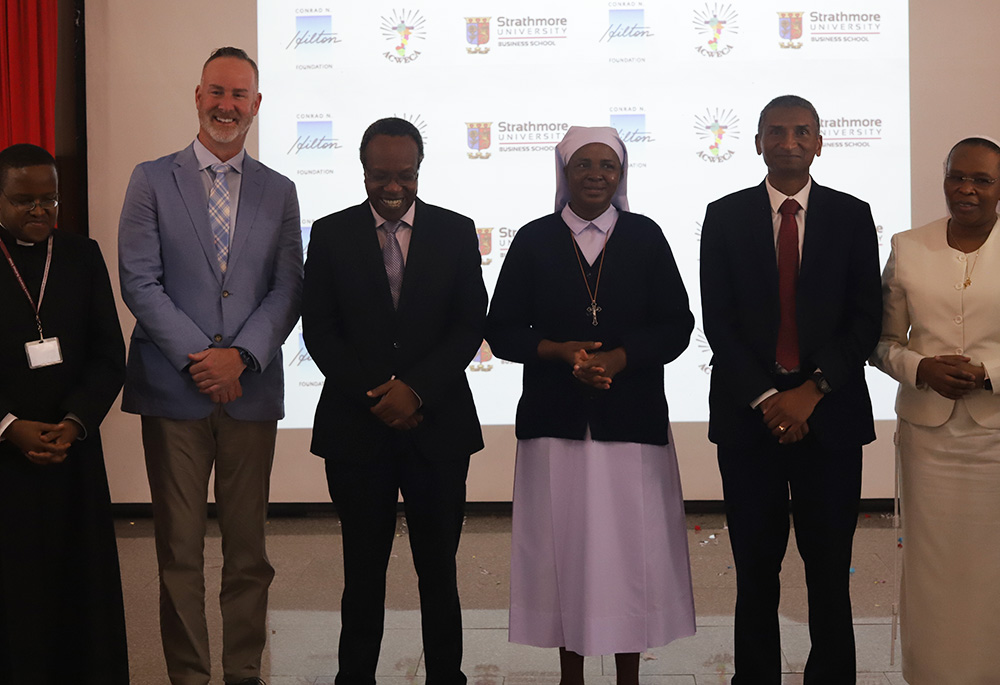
x=383, y=179
x=29, y=205
x=979, y=182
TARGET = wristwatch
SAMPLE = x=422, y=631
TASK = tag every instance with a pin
x=247, y=359
x=820, y=380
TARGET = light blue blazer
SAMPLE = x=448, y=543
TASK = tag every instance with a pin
x=183, y=303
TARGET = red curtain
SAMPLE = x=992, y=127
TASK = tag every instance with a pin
x=28, y=72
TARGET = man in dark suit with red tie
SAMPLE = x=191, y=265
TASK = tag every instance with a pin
x=393, y=311
x=792, y=308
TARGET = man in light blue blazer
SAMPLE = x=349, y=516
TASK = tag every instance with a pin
x=210, y=259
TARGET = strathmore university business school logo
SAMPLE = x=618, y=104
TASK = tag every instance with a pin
x=716, y=26
x=828, y=27
x=314, y=144
x=716, y=129
x=513, y=136
x=481, y=362
x=485, y=244
x=313, y=39
x=530, y=31
x=477, y=35
x=404, y=31
x=851, y=132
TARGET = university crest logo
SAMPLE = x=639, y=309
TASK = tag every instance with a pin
x=790, y=29
x=478, y=138
x=481, y=361
x=485, y=244
x=477, y=33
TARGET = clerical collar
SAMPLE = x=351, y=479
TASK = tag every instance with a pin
x=9, y=238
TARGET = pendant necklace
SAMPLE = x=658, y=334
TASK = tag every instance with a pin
x=968, y=272
x=593, y=308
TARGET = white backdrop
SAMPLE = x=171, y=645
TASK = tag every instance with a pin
x=143, y=62
x=493, y=85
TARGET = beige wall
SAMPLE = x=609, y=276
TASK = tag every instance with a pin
x=144, y=56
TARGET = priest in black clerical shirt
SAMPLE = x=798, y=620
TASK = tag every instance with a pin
x=62, y=363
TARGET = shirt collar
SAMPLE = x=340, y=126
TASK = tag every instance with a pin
x=206, y=158
x=777, y=197
x=406, y=218
x=603, y=223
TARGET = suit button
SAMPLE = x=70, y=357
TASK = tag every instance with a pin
x=217, y=338
x=225, y=293
x=395, y=345
x=961, y=257
x=958, y=319
x=958, y=286
x=959, y=350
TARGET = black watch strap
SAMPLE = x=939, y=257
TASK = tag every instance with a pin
x=820, y=380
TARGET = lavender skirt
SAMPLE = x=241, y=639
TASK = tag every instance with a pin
x=599, y=559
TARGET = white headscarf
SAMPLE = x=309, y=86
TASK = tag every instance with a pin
x=575, y=138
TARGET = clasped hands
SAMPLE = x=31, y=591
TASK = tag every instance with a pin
x=950, y=375
x=787, y=413
x=216, y=371
x=43, y=443
x=591, y=365
x=397, y=405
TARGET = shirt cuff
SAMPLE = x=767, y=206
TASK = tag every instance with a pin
x=5, y=422
x=763, y=396
x=76, y=419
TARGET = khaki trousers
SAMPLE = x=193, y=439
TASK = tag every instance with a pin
x=180, y=456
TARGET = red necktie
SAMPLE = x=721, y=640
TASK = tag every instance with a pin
x=787, y=353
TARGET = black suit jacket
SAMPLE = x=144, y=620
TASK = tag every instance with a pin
x=359, y=341
x=838, y=309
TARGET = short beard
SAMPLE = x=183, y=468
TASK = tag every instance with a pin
x=223, y=136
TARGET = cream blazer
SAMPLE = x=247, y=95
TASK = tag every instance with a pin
x=927, y=311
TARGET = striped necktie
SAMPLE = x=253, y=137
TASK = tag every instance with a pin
x=392, y=257
x=219, y=213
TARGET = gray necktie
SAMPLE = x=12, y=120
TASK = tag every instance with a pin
x=392, y=256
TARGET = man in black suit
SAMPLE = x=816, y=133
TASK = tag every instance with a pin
x=393, y=311
x=792, y=309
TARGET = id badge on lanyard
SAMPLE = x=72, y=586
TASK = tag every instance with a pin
x=44, y=351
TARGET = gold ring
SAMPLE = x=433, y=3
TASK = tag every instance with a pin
x=782, y=429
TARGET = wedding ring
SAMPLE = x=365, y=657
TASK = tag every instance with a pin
x=782, y=429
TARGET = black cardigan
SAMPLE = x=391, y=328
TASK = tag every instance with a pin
x=644, y=308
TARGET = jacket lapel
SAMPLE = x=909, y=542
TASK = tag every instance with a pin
x=251, y=192
x=417, y=256
x=364, y=237
x=761, y=226
x=818, y=233
x=192, y=191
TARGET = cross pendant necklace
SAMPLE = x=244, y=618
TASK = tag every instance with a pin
x=593, y=309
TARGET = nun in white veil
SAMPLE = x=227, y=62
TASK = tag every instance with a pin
x=590, y=301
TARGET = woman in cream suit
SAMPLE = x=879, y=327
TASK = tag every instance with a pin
x=941, y=341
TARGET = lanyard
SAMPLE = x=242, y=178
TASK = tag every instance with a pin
x=41, y=291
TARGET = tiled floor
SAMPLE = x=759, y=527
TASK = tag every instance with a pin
x=304, y=621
